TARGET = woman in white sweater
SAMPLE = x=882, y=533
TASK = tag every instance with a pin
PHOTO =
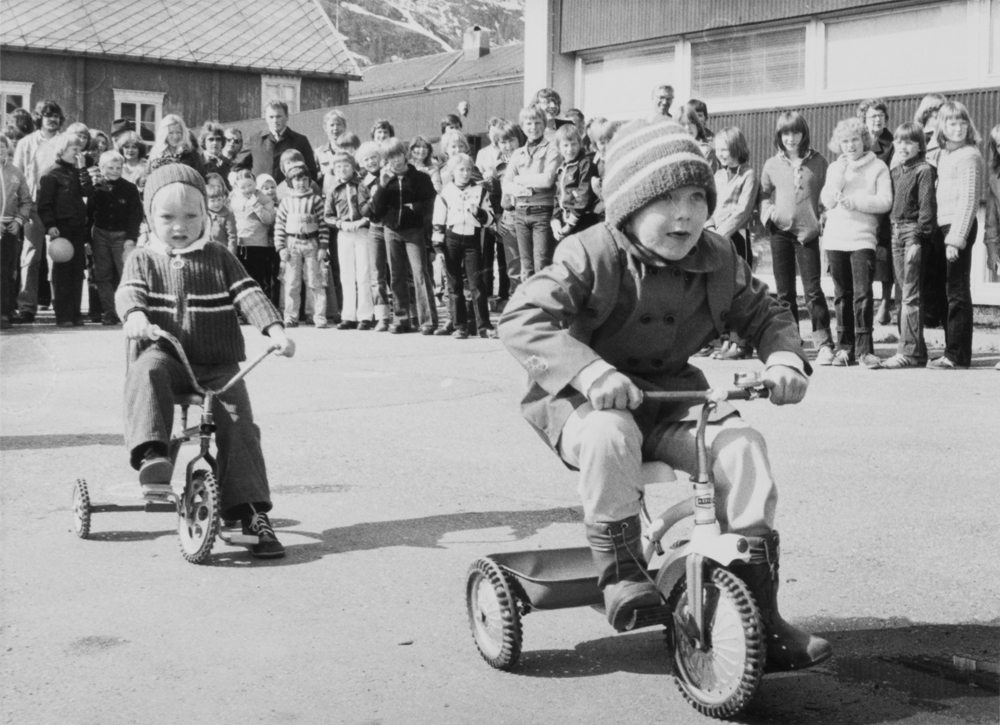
x=857, y=192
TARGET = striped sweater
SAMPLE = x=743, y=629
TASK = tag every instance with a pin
x=197, y=302
x=300, y=221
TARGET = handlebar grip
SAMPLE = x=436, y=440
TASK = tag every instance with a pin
x=155, y=331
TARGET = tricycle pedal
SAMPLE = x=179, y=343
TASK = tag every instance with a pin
x=238, y=539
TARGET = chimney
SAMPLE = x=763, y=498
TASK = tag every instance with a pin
x=476, y=43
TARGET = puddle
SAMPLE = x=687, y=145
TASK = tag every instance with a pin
x=923, y=679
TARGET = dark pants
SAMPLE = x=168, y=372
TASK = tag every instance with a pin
x=463, y=254
x=909, y=258
x=151, y=382
x=958, y=323
x=9, y=244
x=743, y=248
x=379, y=264
x=935, y=273
x=109, y=260
x=885, y=272
x=508, y=241
x=407, y=252
x=785, y=253
x=535, y=242
x=67, y=277
x=852, y=274
x=262, y=264
x=493, y=250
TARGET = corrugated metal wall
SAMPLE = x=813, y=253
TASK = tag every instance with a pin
x=758, y=126
x=589, y=24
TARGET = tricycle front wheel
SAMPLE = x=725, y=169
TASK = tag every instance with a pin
x=494, y=614
x=81, y=509
x=198, y=516
x=720, y=680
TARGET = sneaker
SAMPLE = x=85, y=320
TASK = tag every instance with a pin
x=291, y=323
x=267, y=546
x=398, y=328
x=110, y=319
x=22, y=317
x=870, y=361
x=427, y=330
x=943, y=363
x=366, y=324
x=841, y=359
x=825, y=355
x=489, y=333
x=324, y=325
x=900, y=362
x=445, y=330
x=460, y=334
x=704, y=352
x=155, y=470
x=348, y=325
x=382, y=326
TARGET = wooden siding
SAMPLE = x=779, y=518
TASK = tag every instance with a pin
x=85, y=87
x=587, y=24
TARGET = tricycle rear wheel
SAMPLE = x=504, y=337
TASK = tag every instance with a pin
x=722, y=680
x=494, y=614
x=81, y=509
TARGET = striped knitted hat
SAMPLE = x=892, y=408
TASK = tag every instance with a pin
x=173, y=173
x=647, y=159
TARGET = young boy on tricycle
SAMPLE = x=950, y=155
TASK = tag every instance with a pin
x=192, y=288
x=619, y=312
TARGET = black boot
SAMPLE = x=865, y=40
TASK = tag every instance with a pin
x=788, y=648
x=621, y=568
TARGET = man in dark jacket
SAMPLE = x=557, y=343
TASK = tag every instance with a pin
x=266, y=147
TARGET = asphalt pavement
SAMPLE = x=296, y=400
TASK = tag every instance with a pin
x=397, y=461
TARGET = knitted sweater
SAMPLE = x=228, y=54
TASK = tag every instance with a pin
x=866, y=183
x=300, y=220
x=959, y=189
x=789, y=194
x=197, y=303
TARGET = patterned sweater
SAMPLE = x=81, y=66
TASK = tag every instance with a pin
x=959, y=190
x=300, y=220
x=197, y=302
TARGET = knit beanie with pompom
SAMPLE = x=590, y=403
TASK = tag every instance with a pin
x=173, y=173
x=647, y=159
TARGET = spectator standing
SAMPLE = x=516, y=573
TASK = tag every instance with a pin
x=690, y=120
x=19, y=120
x=133, y=151
x=370, y=160
x=173, y=144
x=334, y=125
x=959, y=190
x=701, y=110
x=301, y=238
x=255, y=214
x=267, y=146
x=575, y=197
x=382, y=131
x=935, y=300
x=34, y=154
x=221, y=220
x=213, y=141
x=790, y=185
x=992, y=238
x=875, y=114
x=506, y=139
x=857, y=192
x=663, y=98
x=343, y=212
x=15, y=212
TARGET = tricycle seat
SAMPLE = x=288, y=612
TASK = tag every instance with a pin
x=189, y=399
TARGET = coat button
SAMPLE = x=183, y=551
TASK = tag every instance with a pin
x=669, y=320
x=646, y=319
x=677, y=272
x=657, y=362
x=632, y=362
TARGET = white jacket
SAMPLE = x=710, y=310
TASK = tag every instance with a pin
x=463, y=211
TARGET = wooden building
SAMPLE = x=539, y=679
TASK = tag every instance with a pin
x=749, y=60
x=141, y=59
x=415, y=94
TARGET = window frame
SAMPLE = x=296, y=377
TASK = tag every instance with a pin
x=295, y=81
x=625, y=52
x=15, y=88
x=140, y=98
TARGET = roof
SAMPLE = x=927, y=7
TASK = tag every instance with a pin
x=440, y=70
x=293, y=37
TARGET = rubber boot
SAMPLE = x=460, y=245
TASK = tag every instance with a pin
x=788, y=647
x=621, y=567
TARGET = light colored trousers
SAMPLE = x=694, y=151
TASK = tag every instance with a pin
x=303, y=259
x=608, y=448
x=31, y=259
x=355, y=276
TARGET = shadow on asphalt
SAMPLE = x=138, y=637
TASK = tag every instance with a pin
x=425, y=532
x=880, y=672
x=66, y=440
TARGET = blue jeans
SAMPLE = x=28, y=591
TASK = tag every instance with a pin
x=852, y=274
x=463, y=254
x=535, y=242
x=408, y=252
x=958, y=324
x=785, y=252
x=909, y=256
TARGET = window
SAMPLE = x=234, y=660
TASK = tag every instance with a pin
x=995, y=38
x=14, y=95
x=280, y=88
x=755, y=64
x=621, y=87
x=143, y=107
x=922, y=47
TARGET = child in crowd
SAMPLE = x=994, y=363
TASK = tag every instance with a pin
x=857, y=192
x=99, y=143
x=289, y=157
x=348, y=142
x=959, y=191
x=17, y=208
x=115, y=215
x=461, y=212
x=689, y=118
x=254, y=212
x=267, y=186
x=504, y=136
x=133, y=150
x=400, y=200
x=737, y=186
x=992, y=236
x=62, y=208
x=591, y=347
x=173, y=143
x=343, y=212
x=530, y=179
x=382, y=130
x=302, y=241
x=790, y=183
x=370, y=160
x=153, y=293
x=575, y=197
x=914, y=209
x=221, y=220
x=422, y=158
